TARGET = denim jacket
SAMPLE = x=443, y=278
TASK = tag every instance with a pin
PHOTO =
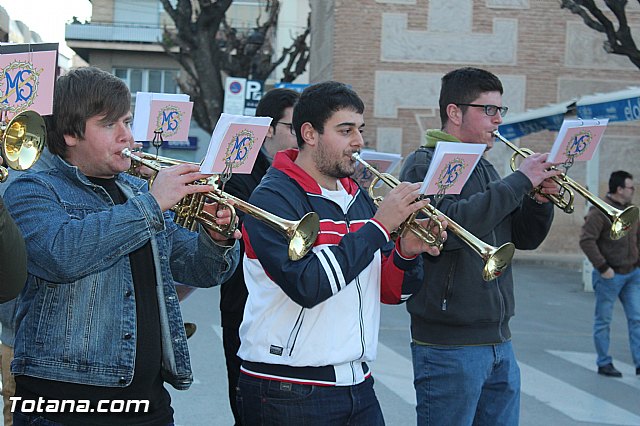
x=76, y=317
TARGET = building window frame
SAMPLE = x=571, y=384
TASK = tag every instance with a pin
x=125, y=73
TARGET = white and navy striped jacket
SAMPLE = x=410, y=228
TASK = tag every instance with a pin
x=316, y=320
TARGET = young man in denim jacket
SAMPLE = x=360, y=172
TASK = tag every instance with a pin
x=99, y=320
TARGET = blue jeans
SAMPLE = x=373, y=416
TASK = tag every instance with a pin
x=22, y=419
x=271, y=402
x=466, y=385
x=625, y=287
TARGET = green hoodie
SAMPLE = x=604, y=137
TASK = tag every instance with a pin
x=434, y=135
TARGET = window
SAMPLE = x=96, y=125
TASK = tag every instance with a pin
x=141, y=80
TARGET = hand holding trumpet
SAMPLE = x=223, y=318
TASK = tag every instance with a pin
x=541, y=174
x=411, y=244
x=399, y=204
x=172, y=184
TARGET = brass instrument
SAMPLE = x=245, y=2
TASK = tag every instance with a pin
x=621, y=220
x=189, y=211
x=22, y=142
x=495, y=259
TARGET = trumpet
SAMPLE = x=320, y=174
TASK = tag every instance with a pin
x=22, y=142
x=495, y=259
x=621, y=220
x=300, y=234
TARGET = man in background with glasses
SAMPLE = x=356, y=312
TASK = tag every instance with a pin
x=465, y=370
x=277, y=104
x=616, y=272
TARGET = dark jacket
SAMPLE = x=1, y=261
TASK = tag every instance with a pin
x=13, y=259
x=602, y=251
x=456, y=306
x=233, y=293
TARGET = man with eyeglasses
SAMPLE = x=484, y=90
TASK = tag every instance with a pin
x=616, y=273
x=465, y=370
x=277, y=104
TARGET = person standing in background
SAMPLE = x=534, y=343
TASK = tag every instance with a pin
x=277, y=104
x=616, y=273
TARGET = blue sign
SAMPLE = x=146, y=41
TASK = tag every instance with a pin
x=297, y=87
x=523, y=128
x=620, y=110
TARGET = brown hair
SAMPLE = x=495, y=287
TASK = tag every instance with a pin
x=79, y=95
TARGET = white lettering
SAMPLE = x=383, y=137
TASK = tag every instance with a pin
x=28, y=406
x=632, y=111
x=81, y=406
x=14, y=400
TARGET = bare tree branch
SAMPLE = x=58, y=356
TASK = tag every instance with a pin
x=620, y=41
x=208, y=47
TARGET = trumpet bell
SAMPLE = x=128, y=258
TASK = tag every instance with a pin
x=300, y=234
x=23, y=140
x=623, y=221
x=496, y=261
x=303, y=235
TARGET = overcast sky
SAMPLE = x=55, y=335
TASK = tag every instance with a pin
x=48, y=17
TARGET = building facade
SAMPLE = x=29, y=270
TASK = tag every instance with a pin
x=123, y=37
x=394, y=53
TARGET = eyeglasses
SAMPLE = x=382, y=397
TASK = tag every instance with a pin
x=490, y=110
x=290, y=125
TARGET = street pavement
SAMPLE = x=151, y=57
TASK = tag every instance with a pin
x=551, y=335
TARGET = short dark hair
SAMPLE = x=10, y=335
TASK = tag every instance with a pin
x=80, y=94
x=617, y=179
x=318, y=102
x=274, y=102
x=463, y=86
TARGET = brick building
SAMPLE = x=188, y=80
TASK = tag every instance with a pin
x=394, y=52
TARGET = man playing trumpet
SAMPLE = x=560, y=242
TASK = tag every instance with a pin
x=310, y=326
x=99, y=319
x=465, y=371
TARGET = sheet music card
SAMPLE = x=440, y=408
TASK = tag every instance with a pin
x=577, y=140
x=236, y=140
x=384, y=162
x=27, y=76
x=450, y=167
x=164, y=115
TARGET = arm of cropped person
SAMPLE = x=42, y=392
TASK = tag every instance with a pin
x=13, y=257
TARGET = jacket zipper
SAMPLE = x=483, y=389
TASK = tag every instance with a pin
x=448, y=288
x=293, y=336
x=359, y=288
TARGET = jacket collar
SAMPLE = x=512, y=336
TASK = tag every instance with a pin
x=432, y=136
x=284, y=161
x=615, y=203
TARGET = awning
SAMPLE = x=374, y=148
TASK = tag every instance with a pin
x=549, y=117
x=622, y=105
